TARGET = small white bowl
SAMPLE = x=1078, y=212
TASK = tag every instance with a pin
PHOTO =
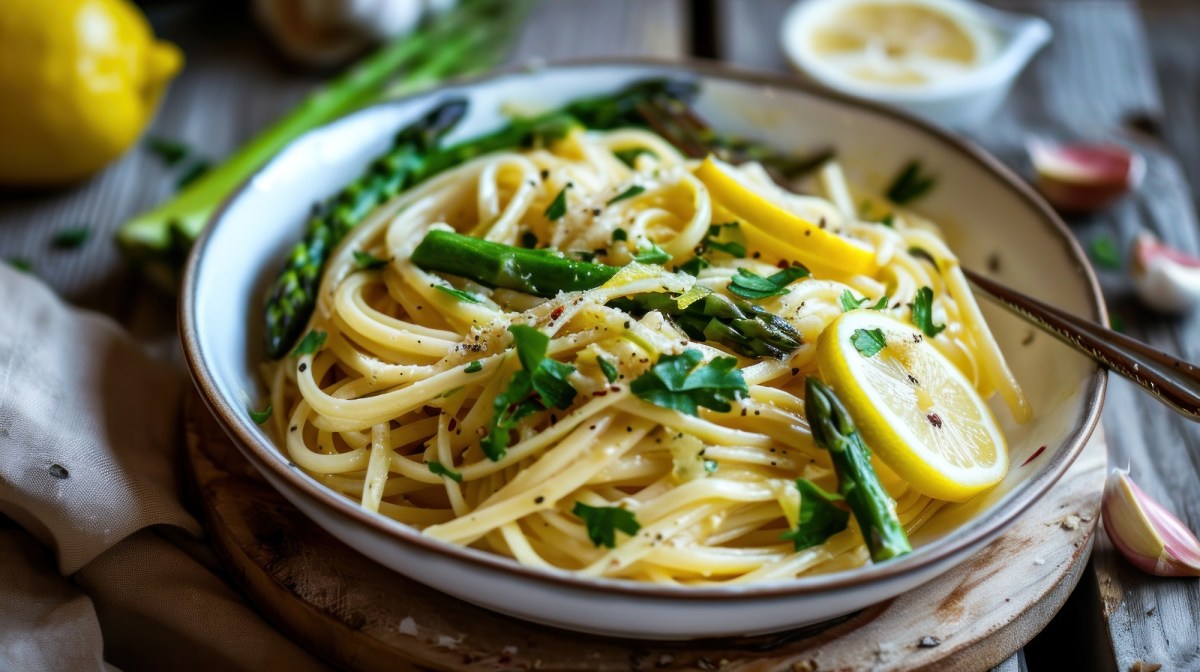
x=985, y=209
x=960, y=103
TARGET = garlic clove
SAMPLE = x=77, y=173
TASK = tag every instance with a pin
x=1146, y=533
x=1165, y=278
x=1081, y=178
x=326, y=32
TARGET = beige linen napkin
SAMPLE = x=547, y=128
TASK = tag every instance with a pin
x=89, y=427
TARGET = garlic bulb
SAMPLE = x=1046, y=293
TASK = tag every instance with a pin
x=323, y=32
x=1146, y=533
x=1081, y=178
x=1166, y=279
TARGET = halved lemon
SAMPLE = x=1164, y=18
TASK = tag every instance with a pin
x=774, y=231
x=916, y=411
x=893, y=42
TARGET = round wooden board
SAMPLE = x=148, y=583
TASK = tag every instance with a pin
x=357, y=614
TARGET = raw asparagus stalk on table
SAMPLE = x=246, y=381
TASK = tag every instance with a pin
x=873, y=508
x=471, y=38
x=739, y=325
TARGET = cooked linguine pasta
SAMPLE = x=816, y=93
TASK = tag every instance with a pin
x=396, y=405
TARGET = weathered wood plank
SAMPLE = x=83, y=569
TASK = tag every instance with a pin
x=569, y=29
x=1093, y=81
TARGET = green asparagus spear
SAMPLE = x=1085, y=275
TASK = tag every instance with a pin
x=743, y=327
x=291, y=298
x=873, y=508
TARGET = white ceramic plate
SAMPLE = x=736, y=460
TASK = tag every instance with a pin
x=986, y=212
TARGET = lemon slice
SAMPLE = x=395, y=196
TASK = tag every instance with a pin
x=894, y=42
x=915, y=409
x=774, y=231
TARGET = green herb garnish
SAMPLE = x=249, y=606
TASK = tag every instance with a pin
x=557, y=207
x=922, y=313
x=677, y=383
x=653, y=254
x=602, y=523
x=365, y=261
x=628, y=193
x=170, y=152
x=259, y=417
x=458, y=294
x=868, y=341
x=750, y=285
x=910, y=184
x=21, y=264
x=69, y=239
x=311, y=342
x=629, y=156
x=710, y=466
x=439, y=469
x=619, y=235
x=1105, y=254
x=850, y=303
x=474, y=367
x=541, y=384
x=610, y=372
x=820, y=516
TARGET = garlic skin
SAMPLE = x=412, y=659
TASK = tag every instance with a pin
x=1146, y=533
x=1165, y=279
x=1078, y=178
x=325, y=32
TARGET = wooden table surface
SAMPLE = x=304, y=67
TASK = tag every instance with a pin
x=1116, y=69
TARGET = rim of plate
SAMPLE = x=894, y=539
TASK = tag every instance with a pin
x=264, y=454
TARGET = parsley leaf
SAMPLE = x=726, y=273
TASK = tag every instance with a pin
x=629, y=156
x=628, y=193
x=529, y=240
x=652, y=255
x=69, y=239
x=311, y=343
x=474, y=367
x=887, y=221
x=170, y=151
x=676, y=383
x=910, y=184
x=850, y=303
x=868, y=341
x=619, y=235
x=541, y=384
x=584, y=255
x=367, y=261
x=259, y=417
x=21, y=264
x=732, y=248
x=458, y=294
x=820, y=517
x=610, y=371
x=1105, y=254
x=922, y=313
x=710, y=466
x=603, y=522
x=439, y=469
x=557, y=207
x=694, y=265
x=750, y=285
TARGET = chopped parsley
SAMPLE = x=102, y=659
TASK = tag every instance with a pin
x=603, y=522
x=439, y=469
x=584, y=255
x=529, y=240
x=652, y=255
x=259, y=417
x=312, y=342
x=69, y=239
x=910, y=184
x=170, y=151
x=628, y=193
x=557, y=207
x=922, y=313
x=820, y=516
x=629, y=156
x=868, y=341
x=1105, y=254
x=750, y=285
x=365, y=261
x=541, y=384
x=922, y=253
x=732, y=248
x=21, y=264
x=710, y=466
x=192, y=172
x=458, y=294
x=610, y=372
x=678, y=383
x=619, y=235
x=850, y=303
x=887, y=221
x=474, y=367
x=694, y=265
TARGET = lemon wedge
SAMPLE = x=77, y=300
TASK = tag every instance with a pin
x=916, y=411
x=775, y=232
x=895, y=42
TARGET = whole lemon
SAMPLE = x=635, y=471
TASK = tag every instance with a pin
x=79, y=80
